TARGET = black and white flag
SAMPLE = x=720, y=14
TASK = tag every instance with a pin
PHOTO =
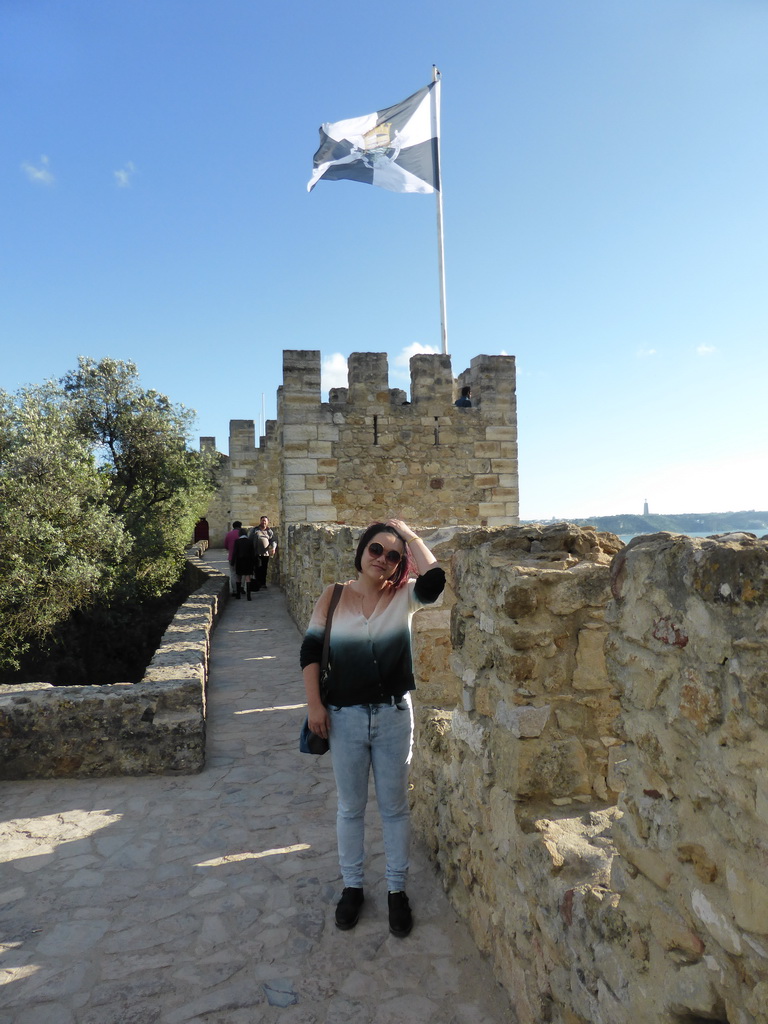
x=395, y=148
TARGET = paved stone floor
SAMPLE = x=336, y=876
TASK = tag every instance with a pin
x=209, y=898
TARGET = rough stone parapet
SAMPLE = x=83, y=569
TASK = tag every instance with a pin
x=511, y=786
x=156, y=726
x=688, y=649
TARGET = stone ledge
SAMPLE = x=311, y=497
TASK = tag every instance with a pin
x=155, y=727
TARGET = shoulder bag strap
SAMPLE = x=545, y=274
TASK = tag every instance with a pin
x=327, y=639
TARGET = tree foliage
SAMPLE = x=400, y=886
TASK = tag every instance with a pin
x=99, y=494
x=157, y=486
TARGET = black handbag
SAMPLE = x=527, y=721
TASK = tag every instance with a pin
x=310, y=742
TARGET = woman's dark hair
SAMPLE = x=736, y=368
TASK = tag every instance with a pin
x=406, y=566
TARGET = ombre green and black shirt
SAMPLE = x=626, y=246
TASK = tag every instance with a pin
x=369, y=659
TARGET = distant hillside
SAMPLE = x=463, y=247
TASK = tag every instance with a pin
x=690, y=522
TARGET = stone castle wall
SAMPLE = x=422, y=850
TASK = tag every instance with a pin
x=590, y=772
x=249, y=478
x=688, y=652
x=154, y=728
x=369, y=452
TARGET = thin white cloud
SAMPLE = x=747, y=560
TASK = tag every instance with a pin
x=705, y=350
x=124, y=176
x=403, y=360
x=333, y=372
x=40, y=175
x=646, y=353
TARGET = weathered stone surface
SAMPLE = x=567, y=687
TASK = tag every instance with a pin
x=590, y=671
x=703, y=864
x=686, y=649
x=672, y=932
x=716, y=922
x=749, y=897
x=650, y=863
x=577, y=930
x=524, y=721
x=155, y=726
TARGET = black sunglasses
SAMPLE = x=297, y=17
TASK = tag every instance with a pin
x=375, y=550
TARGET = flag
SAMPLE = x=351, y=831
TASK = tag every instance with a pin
x=395, y=148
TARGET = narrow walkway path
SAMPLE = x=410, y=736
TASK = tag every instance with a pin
x=209, y=898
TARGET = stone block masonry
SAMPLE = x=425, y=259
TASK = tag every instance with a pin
x=688, y=650
x=154, y=727
x=369, y=452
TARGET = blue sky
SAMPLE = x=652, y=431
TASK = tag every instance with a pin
x=605, y=203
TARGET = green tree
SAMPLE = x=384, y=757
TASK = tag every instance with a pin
x=156, y=485
x=99, y=494
x=60, y=544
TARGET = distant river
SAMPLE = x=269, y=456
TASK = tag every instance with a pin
x=627, y=537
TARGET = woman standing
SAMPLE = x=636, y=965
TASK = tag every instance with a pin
x=369, y=716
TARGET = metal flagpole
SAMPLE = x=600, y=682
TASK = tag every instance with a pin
x=436, y=76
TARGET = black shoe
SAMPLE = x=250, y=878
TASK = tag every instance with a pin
x=400, y=917
x=348, y=908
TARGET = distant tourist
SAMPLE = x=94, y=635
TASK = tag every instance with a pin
x=264, y=547
x=229, y=543
x=202, y=530
x=244, y=562
x=465, y=399
x=367, y=715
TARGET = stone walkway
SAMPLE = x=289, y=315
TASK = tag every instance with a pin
x=209, y=898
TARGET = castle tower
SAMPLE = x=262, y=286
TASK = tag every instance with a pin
x=369, y=453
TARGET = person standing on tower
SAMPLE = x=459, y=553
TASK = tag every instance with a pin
x=367, y=715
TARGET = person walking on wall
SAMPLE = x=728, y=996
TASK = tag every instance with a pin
x=264, y=546
x=369, y=716
x=465, y=399
x=244, y=562
x=229, y=543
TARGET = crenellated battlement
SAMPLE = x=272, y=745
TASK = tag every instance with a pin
x=492, y=379
x=370, y=451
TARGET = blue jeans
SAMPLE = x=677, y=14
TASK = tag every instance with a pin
x=378, y=736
